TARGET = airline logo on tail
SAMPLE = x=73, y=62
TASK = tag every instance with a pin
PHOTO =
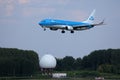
x=91, y=18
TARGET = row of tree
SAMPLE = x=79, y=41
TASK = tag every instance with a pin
x=15, y=62
x=100, y=60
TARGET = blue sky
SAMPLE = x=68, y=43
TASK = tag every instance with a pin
x=19, y=26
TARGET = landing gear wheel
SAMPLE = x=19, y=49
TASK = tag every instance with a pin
x=44, y=29
x=62, y=31
x=72, y=31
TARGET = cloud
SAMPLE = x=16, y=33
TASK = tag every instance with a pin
x=64, y=2
x=78, y=15
x=23, y=1
x=37, y=11
x=7, y=7
x=9, y=10
x=8, y=21
x=1, y=1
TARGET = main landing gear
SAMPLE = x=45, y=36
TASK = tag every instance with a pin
x=72, y=31
x=64, y=31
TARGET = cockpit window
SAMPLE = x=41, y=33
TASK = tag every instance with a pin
x=43, y=21
x=47, y=20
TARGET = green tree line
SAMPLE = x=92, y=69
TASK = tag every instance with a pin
x=106, y=61
x=15, y=62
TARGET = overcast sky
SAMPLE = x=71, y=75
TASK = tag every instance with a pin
x=19, y=26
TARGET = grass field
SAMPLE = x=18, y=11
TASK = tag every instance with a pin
x=107, y=76
x=54, y=79
x=47, y=79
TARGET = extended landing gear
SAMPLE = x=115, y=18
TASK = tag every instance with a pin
x=72, y=31
x=62, y=31
x=44, y=29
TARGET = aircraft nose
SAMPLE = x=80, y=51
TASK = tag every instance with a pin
x=40, y=23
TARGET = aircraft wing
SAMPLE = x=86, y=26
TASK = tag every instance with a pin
x=101, y=23
x=85, y=25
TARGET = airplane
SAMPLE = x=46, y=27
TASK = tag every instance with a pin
x=55, y=24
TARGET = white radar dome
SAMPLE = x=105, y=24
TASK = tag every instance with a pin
x=47, y=61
